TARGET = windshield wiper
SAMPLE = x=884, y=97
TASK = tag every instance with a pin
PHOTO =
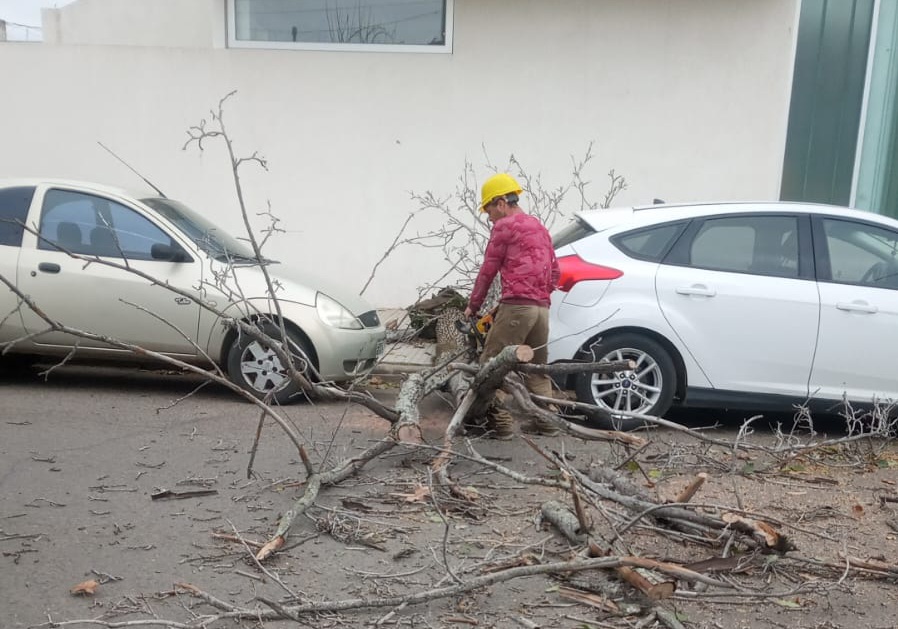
x=230, y=256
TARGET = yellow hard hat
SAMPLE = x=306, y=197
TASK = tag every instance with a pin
x=498, y=185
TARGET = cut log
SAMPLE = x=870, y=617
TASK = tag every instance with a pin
x=636, y=500
x=492, y=375
x=573, y=367
x=761, y=531
x=564, y=520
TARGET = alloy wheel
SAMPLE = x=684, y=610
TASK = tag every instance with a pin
x=634, y=391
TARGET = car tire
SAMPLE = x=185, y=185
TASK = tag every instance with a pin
x=647, y=390
x=255, y=367
x=17, y=365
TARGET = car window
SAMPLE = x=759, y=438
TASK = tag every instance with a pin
x=860, y=253
x=14, y=204
x=650, y=243
x=92, y=225
x=576, y=230
x=760, y=245
x=205, y=234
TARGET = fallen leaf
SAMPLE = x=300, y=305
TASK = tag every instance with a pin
x=662, y=590
x=186, y=586
x=419, y=494
x=85, y=588
x=270, y=548
x=759, y=528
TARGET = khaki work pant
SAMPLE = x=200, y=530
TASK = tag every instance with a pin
x=521, y=325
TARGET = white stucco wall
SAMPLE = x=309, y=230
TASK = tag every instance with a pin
x=166, y=23
x=688, y=99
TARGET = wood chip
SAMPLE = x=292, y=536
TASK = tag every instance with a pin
x=85, y=588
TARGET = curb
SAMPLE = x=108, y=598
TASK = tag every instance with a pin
x=398, y=369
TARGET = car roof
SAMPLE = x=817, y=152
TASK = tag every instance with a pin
x=73, y=183
x=633, y=216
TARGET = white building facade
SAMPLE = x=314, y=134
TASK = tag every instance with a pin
x=686, y=99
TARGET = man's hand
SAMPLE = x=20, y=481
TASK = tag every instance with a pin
x=468, y=312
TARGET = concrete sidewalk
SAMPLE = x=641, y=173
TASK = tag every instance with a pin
x=403, y=357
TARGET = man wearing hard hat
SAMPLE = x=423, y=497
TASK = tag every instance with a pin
x=520, y=251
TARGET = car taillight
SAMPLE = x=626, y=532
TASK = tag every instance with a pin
x=575, y=269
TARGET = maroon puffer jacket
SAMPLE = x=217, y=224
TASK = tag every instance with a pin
x=520, y=250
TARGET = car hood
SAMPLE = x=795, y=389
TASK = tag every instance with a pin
x=292, y=284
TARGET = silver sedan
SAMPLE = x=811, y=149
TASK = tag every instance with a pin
x=152, y=273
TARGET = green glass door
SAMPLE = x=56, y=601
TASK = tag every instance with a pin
x=827, y=97
x=876, y=186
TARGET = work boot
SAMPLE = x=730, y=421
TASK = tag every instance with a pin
x=539, y=426
x=500, y=423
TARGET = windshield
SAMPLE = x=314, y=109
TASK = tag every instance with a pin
x=210, y=238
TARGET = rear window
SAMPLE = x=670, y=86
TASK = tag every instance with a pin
x=577, y=230
x=14, y=204
x=650, y=243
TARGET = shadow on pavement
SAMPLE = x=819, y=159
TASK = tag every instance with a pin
x=828, y=423
x=119, y=379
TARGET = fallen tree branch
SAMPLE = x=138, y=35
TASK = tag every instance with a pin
x=233, y=613
x=492, y=374
x=523, y=399
x=407, y=406
x=574, y=367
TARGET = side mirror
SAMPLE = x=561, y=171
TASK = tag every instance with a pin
x=172, y=253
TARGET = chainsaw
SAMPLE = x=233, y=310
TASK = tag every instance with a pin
x=475, y=330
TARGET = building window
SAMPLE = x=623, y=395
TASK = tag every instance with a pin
x=370, y=25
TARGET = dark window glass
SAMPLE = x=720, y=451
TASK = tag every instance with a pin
x=206, y=235
x=860, y=253
x=95, y=226
x=402, y=22
x=649, y=244
x=760, y=245
x=14, y=204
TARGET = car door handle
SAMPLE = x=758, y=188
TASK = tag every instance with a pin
x=857, y=306
x=698, y=289
x=49, y=267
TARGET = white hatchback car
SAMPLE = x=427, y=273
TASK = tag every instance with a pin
x=740, y=305
x=218, y=277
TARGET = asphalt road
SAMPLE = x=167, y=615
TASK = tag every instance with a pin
x=83, y=452
x=81, y=455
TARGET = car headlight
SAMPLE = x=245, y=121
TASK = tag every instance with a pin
x=333, y=314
